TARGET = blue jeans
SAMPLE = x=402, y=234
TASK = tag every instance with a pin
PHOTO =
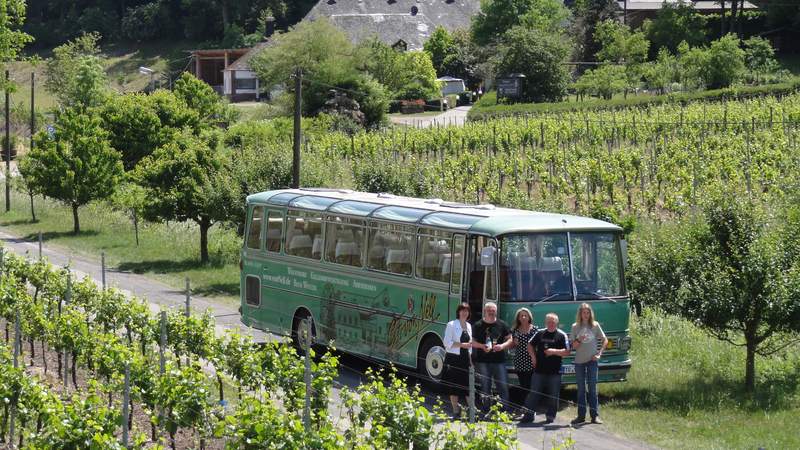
x=548, y=386
x=498, y=373
x=586, y=374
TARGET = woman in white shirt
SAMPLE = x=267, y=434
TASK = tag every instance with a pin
x=457, y=338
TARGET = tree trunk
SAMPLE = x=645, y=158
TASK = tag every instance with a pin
x=750, y=366
x=732, y=24
x=205, y=224
x=33, y=212
x=722, y=18
x=76, y=222
x=136, y=227
x=740, y=20
x=225, y=14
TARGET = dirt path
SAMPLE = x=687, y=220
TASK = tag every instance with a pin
x=160, y=295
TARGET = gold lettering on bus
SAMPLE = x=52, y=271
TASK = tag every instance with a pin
x=403, y=329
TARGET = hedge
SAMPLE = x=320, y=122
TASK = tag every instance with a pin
x=487, y=106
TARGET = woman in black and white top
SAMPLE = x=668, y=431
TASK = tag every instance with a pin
x=522, y=332
x=457, y=338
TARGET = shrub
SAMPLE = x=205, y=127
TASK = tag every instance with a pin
x=143, y=22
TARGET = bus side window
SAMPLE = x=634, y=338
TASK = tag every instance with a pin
x=304, y=235
x=391, y=248
x=433, y=253
x=274, y=231
x=254, y=230
x=344, y=241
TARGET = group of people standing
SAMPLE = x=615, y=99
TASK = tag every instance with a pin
x=537, y=359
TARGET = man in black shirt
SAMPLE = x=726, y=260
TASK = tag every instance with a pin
x=548, y=346
x=491, y=337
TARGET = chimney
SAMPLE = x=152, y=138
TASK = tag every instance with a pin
x=270, y=27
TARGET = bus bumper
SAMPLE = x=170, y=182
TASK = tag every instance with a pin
x=607, y=373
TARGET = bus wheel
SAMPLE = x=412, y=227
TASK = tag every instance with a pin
x=430, y=361
x=300, y=337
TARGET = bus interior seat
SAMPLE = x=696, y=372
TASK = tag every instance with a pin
x=398, y=261
x=316, y=248
x=377, y=257
x=300, y=245
x=431, y=270
x=348, y=253
x=273, y=239
x=445, y=261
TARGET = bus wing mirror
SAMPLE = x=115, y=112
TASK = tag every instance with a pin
x=623, y=244
x=487, y=256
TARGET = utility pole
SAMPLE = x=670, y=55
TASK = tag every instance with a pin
x=8, y=146
x=33, y=111
x=298, y=104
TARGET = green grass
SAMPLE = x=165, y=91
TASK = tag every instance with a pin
x=685, y=390
x=167, y=252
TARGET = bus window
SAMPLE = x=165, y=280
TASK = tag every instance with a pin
x=274, y=231
x=455, y=264
x=304, y=234
x=433, y=249
x=344, y=241
x=254, y=230
x=391, y=248
x=596, y=265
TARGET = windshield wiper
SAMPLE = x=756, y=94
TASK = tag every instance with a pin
x=552, y=296
x=600, y=296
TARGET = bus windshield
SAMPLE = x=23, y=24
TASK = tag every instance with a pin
x=538, y=267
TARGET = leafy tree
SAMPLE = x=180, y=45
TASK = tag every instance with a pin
x=131, y=199
x=675, y=23
x=173, y=112
x=620, y=45
x=134, y=128
x=12, y=39
x=498, y=16
x=759, y=56
x=75, y=166
x=659, y=74
x=328, y=61
x=540, y=57
x=603, y=82
x=144, y=22
x=588, y=14
x=201, y=98
x=735, y=272
x=407, y=75
x=725, y=62
x=75, y=74
x=186, y=180
x=440, y=46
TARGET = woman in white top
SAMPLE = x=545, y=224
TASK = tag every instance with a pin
x=588, y=341
x=457, y=338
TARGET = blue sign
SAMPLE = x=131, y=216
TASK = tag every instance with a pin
x=51, y=130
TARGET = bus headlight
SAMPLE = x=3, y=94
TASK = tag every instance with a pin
x=625, y=344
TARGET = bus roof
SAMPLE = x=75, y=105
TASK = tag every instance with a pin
x=481, y=219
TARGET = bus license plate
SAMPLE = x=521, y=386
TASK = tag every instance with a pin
x=568, y=369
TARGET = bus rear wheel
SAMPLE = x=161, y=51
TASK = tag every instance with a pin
x=301, y=340
x=430, y=361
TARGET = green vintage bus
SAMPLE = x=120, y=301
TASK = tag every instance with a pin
x=380, y=275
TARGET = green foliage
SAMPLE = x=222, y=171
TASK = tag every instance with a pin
x=588, y=14
x=134, y=128
x=603, y=82
x=497, y=434
x=496, y=17
x=406, y=75
x=725, y=62
x=735, y=272
x=77, y=165
x=329, y=61
x=183, y=393
x=619, y=44
x=675, y=23
x=75, y=75
x=186, y=180
x=384, y=413
x=540, y=57
x=440, y=46
x=659, y=74
x=144, y=22
x=759, y=56
x=12, y=39
x=201, y=98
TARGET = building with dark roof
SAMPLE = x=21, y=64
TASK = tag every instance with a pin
x=401, y=23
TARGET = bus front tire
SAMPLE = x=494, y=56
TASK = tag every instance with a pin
x=430, y=361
